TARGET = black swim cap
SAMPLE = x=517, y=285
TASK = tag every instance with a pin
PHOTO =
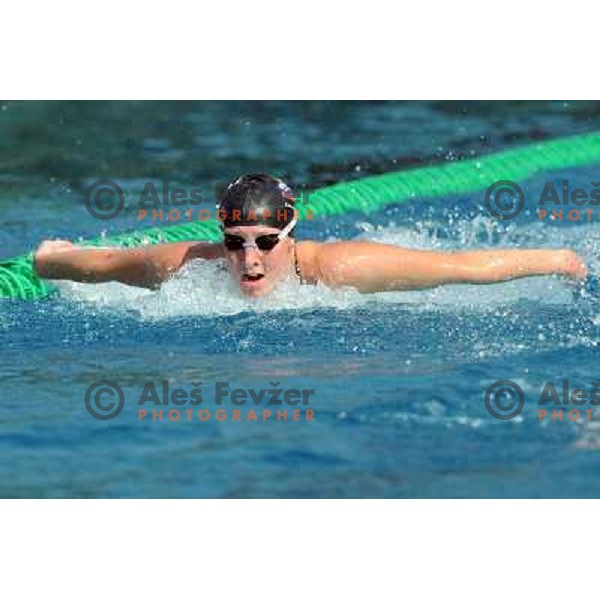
x=257, y=199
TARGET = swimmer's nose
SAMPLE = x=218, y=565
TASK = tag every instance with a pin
x=252, y=256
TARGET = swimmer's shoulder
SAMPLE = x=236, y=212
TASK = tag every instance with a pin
x=319, y=261
x=205, y=250
x=307, y=255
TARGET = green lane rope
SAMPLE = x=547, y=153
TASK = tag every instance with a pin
x=19, y=280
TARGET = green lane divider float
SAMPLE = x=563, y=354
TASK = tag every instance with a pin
x=18, y=279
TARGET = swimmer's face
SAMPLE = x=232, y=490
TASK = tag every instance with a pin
x=256, y=271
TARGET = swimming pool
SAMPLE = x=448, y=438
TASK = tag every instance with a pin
x=398, y=379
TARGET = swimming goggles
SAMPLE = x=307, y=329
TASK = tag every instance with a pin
x=264, y=243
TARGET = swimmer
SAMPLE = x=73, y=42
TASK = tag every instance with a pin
x=258, y=220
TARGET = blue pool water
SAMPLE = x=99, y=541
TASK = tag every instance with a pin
x=398, y=379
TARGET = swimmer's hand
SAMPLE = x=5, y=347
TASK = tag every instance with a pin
x=147, y=266
x=49, y=247
x=46, y=252
x=574, y=266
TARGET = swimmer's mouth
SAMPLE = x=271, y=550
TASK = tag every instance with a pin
x=252, y=278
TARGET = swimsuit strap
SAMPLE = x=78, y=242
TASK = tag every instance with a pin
x=296, y=267
x=298, y=272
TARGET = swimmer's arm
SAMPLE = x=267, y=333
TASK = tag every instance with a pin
x=147, y=266
x=372, y=267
